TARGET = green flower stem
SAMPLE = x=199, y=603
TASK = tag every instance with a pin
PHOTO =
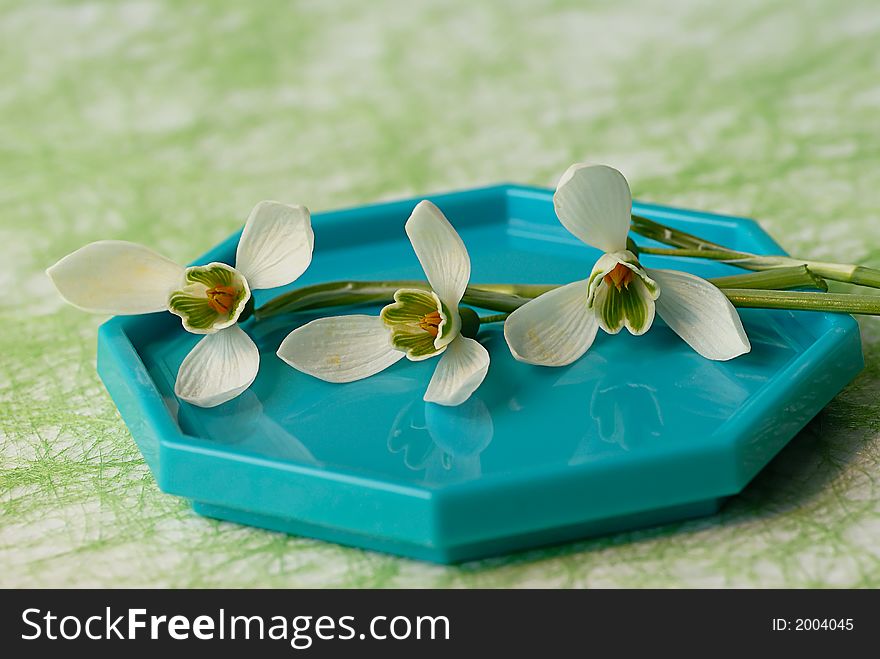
x=711, y=254
x=807, y=301
x=503, y=298
x=757, y=289
x=331, y=294
x=842, y=272
x=850, y=274
x=740, y=291
x=664, y=234
x=798, y=276
x=517, y=290
x=497, y=297
x=688, y=245
x=348, y=293
x=495, y=318
x=488, y=299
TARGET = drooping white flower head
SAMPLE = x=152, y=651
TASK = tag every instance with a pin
x=123, y=278
x=419, y=324
x=594, y=203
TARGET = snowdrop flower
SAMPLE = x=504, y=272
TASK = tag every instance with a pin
x=419, y=324
x=123, y=278
x=593, y=202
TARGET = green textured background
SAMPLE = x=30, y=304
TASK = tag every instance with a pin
x=164, y=122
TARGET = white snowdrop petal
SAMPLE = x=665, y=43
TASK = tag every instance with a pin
x=461, y=369
x=218, y=368
x=701, y=315
x=340, y=348
x=594, y=203
x=441, y=252
x=276, y=245
x=116, y=277
x=554, y=329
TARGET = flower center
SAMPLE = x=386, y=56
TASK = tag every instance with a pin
x=619, y=277
x=221, y=298
x=212, y=298
x=431, y=323
x=417, y=318
x=622, y=293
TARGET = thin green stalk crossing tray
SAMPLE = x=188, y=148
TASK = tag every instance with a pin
x=640, y=431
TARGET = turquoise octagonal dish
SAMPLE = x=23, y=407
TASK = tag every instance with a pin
x=640, y=431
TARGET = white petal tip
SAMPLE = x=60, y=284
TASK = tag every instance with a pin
x=220, y=367
x=459, y=373
x=427, y=205
x=594, y=203
x=207, y=402
x=701, y=315
x=271, y=202
x=446, y=403
x=276, y=244
x=115, y=277
x=739, y=351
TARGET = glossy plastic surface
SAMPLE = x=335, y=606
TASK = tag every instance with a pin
x=640, y=431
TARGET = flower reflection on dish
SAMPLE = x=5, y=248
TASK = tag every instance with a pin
x=242, y=422
x=444, y=442
x=607, y=409
x=630, y=411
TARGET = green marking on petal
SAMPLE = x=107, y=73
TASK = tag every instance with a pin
x=211, y=275
x=614, y=268
x=634, y=309
x=414, y=341
x=416, y=318
x=629, y=306
x=609, y=310
x=193, y=305
x=212, y=299
x=410, y=306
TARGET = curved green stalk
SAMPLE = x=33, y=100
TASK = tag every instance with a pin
x=348, y=293
x=664, y=234
x=806, y=301
x=688, y=245
x=496, y=297
x=711, y=254
x=851, y=274
x=495, y=318
x=332, y=294
x=798, y=276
